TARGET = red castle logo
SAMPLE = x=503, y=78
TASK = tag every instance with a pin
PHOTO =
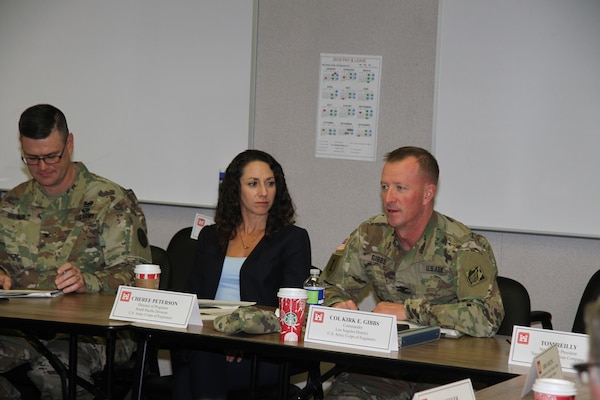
x=318, y=317
x=522, y=338
x=125, y=296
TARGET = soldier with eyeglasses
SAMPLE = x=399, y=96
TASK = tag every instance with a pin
x=67, y=229
x=590, y=371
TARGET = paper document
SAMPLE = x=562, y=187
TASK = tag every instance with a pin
x=210, y=309
x=29, y=293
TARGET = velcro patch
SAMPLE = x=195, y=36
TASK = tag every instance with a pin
x=475, y=275
x=433, y=269
x=342, y=245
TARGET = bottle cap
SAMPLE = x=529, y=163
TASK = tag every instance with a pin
x=315, y=271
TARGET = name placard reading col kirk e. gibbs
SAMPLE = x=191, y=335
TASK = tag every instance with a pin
x=350, y=328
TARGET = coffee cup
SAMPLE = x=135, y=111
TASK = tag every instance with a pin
x=554, y=389
x=292, y=307
x=147, y=276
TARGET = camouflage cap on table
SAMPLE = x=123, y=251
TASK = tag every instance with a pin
x=249, y=319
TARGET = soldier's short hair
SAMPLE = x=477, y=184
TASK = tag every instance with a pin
x=38, y=122
x=425, y=159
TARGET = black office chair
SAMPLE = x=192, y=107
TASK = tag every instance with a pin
x=182, y=252
x=161, y=257
x=517, y=305
x=590, y=294
x=543, y=318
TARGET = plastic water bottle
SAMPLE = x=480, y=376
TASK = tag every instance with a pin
x=315, y=288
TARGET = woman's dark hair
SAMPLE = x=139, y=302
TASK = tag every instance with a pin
x=38, y=122
x=229, y=216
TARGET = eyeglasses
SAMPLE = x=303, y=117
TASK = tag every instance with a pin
x=53, y=159
x=586, y=371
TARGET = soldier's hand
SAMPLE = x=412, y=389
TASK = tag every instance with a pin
x=70, y=279
x=5, y=281
x=346, y=305
x=386, y=307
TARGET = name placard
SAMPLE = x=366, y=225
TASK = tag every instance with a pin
x=351, y=328
x=462, y=390
x=199, y=223
x=160, y=307
x=528, y=342
x=544, y=365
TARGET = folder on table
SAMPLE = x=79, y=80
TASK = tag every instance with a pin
x=414, y=336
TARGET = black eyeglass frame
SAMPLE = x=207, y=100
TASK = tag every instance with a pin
x=583, y=371
x=39, y=159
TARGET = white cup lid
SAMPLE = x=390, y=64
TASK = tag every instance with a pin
x=555, y=386
x=147, y=269
x=293, y=293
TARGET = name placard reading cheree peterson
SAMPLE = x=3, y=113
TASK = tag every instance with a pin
x=158, y=307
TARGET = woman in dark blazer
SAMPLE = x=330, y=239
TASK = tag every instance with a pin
x=251, y=251
x=278, y=261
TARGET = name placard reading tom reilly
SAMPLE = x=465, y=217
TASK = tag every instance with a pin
x=159, y=307
x=350, y=328
x=528, y=342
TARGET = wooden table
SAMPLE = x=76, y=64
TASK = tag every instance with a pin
x=481, y=359
x=78, y=314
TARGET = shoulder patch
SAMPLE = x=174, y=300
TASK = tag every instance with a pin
x=475, y=275
x=342, y=245
x=332, y=264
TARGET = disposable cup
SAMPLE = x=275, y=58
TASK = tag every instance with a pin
x=292, y=307
x=147, y=276
x=554, y=389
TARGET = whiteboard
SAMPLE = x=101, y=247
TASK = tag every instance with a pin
x=517, y=115
x=156, y=93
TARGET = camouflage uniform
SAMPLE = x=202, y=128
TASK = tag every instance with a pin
x=96, y=225
x=448, y=278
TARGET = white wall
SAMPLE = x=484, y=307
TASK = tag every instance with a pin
x=517, y=121
x=156, y=93
x=334, y=196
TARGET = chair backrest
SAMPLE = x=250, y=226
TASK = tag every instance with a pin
x=590, y=294
x=160, y=257
x=182, y=252
x=517, y=305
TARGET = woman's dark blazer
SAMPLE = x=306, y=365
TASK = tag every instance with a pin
x=282, y=260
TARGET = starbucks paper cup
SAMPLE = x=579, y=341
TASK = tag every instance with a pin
x=292, y=307
x=147, y=276
x=554, y=389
